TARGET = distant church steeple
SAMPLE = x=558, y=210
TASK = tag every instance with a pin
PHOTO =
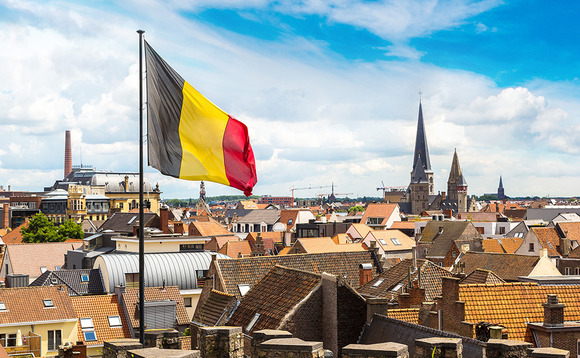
x=421, y=154
x=500, y=191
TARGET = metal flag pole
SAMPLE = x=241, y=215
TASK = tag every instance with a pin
x=141, y=224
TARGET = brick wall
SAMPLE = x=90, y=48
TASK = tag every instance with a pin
x=351, y=316
x=306, y=322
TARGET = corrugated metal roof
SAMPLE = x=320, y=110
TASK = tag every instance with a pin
x=176, y=268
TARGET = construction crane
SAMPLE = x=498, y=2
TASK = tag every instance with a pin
x=306, y=188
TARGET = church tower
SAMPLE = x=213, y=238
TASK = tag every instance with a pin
x=421, y=154
x=500, y=191
x=457, y=186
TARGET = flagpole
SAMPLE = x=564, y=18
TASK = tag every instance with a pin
x=141, y=216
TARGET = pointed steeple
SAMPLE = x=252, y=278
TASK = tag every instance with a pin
x=500, y=183
x=421, y=150
x=418, y=175
x=455, y=172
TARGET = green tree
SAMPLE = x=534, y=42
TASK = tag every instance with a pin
x=356, y=208
x=40, y=229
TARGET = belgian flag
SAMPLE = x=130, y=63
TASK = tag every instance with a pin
x=191, y=138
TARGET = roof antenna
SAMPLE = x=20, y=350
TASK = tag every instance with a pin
x=163, y=284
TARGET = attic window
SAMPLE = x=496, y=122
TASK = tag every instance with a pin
x=131, y=220
x=244, y=288
x=252, y=322
x=115, y=321
x=3, y=306
x=90, y=335
x=398, y=287
x=379, y=281
x=48, y=303
x=290, y=222
x=42, y=269
x=54, y=281
x=87, y=323
x=395, y=241
x=382, y=241
x=550, y=244
x=84, y=278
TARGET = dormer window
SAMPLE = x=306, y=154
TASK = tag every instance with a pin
x=244, y=288
x=48, y=303
x=115, y=321
x=88, y=329
x=84, y=278
x=42, y=269
x=3, y=307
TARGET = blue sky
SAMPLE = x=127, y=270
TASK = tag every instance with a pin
x=328, y=89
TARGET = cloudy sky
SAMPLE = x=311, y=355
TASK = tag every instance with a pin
x=328, y=88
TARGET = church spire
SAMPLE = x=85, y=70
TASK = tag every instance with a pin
x=500, y=183
x=421, y=150
x=455, y=172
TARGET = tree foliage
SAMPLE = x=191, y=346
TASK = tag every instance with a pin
x=41, y=229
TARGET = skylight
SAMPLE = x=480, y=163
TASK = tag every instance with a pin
x=42, y=269
x=114, y=321
x=132, y=219
x=252, y=322
x=398, y=287
x=84, y=278
x=3, y=306
x=244, y=288
x=87, y=322
x=90, y=335
x=379, y=281
x=383, y=241
x=48, y=303
x=395, y=241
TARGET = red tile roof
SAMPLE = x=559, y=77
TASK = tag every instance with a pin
x=377, y=210
x=29, y=258
x=482, y=276
x=410, y=315
x=208, y=229
x=236, y=249
x=549, y=239
x=514, y=304
x=99, y=308
x=25, y=304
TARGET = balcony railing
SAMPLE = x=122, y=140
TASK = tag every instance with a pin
x=30, y=344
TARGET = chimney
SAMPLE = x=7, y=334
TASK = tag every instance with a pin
x=287, y=239
x=178, y=228
x=450, y=288
x=5, y=216
x=553, y=311
x=164, y=218
x=376, y=305
x=442, y=195
x=565, y=245
x=67, y=154
x=414, y=251
x=365, y=273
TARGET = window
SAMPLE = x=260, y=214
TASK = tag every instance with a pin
x=187, y=301
x=132, y=280
x=374, y=221
x=3, y=306
x=3, y=339
x=54, y=339
x=382, y=241
x=131, y=220
x=502, y=230
x=398, y=287
x=395, y=241
x=115, y=321
x=577, y=271
x=42, y=269
x=90, y=335
x=252, y=322
x=87, y=323
x=531, y=247
x=290, y=222
x=84, y=278
x=48, y=303
x=379, y=281
x=244, y=288
x=567, y=271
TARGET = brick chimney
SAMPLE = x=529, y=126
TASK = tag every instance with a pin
x=178, y=228
x=164, y=218
x=553, y=311
x=450, y=288
x=5, y=216
x=365, y=273
x=565, y=245
x=67, y=154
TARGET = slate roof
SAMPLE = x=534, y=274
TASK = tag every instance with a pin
x=124, y=222
x=131, y=299
x=549, y=239
x=397, y=278
x=506, y=266
x=251, y=270
x=442, y=234
x=280, y=290
x=72, y=279
x=421, y=153
x=25, y=304
x=482, y=276
x=268, y=216
x=99, y=308
x=515, y=214
x=514, y=304
x=236, y=248
x=410, y=315
x=215, y=309
x=29, y=258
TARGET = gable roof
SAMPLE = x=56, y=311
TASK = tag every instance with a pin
x=14, y=236
x=378, y=210
x=124, y=222
x=385, y=238
x=405, y=314
x=236, y=248
x=217, y=242
x=482, y=276
x=403, y=225
x=264, y=298
x=514, y=304
x=72, y=279
x=251, y=270
x=506, y=266
x=362, y=229
x=507, y=245
x=99, y=308
x=131, y=299
x=25, y=304
x=316, y=245
x=207, y=228
x=29, y=258
x=214, y=310
x=478, y=216
x=571, y=230
x=268, y=216
x=442, y=235
x=396, y=279
x=288, y=218
x=549, y=239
